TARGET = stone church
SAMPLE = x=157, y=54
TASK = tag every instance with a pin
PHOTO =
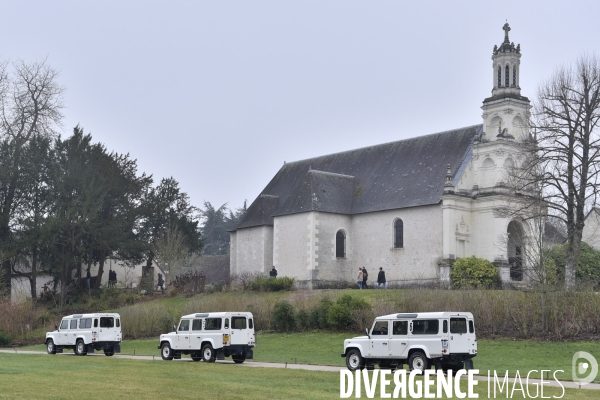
x=410, y=206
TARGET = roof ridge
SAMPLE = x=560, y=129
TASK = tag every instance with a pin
x=330, y=173
x=382, y=144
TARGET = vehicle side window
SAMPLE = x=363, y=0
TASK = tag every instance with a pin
x=118, y=323
x=250, y=324
x=471, y=327
x=212, y=324
x=64, y=324
x=458, y=325
x=107, y=322
x=380, y=328
x=426, y=327
x=95, y=322
x=238, y=322
x=226, y=323
x=73, y=324
x=445, y=328
x=197, y=325
x=400, y=328
x=85, y=323
x=184, y=325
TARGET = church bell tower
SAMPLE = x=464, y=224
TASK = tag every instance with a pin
x=506, y=112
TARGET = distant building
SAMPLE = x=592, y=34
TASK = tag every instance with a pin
x=411, y=206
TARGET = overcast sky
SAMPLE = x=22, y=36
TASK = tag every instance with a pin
x=218, y=94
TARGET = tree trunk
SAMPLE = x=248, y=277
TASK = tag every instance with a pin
x=98, y=282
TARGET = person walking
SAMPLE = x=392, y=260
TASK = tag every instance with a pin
x=161, y=283
x=359, y=278
x=365, y=276
x=273, y=272
x=381, y=279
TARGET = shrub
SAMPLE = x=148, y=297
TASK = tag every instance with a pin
x=473, y=272
x=5, y=339
x=284, y=319
x=302, y=320
x=262, y=284
x=318, y=316
x=588, y=265
x=340, y=315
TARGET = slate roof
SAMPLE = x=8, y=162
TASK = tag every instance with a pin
x=405, y=173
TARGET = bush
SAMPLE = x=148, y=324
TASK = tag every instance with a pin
x=302, y=320
x=5, y=339
x=340, y=315
x=318, y=316
x=284, y=319
x=262, y=284
x=473, y=272
x=588, y=265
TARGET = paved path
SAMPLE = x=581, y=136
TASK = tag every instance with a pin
x=550, y=382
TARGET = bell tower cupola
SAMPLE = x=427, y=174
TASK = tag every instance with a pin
x=506, y=112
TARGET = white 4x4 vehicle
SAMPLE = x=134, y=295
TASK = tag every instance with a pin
x=85, y=333
x=210, y=336
x=443, y=339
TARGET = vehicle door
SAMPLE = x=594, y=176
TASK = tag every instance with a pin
x=459, y=339
x=240, y=332
x=471, y=336
x=399, y=339
x=85, y=329
x=183, y=334
x=196, y=334
x=212, y=330
x=110, y=329
x=63, y=332
x=72, y=335
x=380, y=339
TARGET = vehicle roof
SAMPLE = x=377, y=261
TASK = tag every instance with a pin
x=218, y=314
x=93, y=315
x=441, y=314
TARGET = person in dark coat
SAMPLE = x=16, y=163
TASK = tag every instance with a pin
x=365, y=276
x=273, y=272
x=88, y=276
x=381, y=279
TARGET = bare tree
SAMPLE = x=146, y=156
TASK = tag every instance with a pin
x=558, y=173
x=171, y=250
x=30, y=106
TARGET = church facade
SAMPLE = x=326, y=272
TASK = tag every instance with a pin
x=411, y=207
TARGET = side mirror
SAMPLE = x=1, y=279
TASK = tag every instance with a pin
x=174, y=328
x=367, y=330
x=55, y=327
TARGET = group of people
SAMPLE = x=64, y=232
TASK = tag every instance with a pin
x=361, y=279
x=112, y=278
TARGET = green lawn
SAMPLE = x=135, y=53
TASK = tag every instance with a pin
x=71, y=377
x=325, y=348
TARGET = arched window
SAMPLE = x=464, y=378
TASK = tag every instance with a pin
x=507, y=77
x=499, y=76
x=340, y=244
x=515, y=250
x=398, y=233
x=515, y=76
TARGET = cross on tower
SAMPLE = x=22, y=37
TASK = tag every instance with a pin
x=506, y=28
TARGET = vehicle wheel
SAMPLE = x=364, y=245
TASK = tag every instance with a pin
x=166, y=352
x=109, y=353
x=418, y=361
x=80, y=348
x=208, y=353
x=196, y=356
x=354, y=360
x=50, y=347
x=238, y=359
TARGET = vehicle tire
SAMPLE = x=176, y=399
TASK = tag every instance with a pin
x=418, y=361
x=238, y=359
x=208, y=353
x=354, y=360
x=80, y=348
x=109, y=353
x=196, y=356
x=50, y=347
x=166, y=352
